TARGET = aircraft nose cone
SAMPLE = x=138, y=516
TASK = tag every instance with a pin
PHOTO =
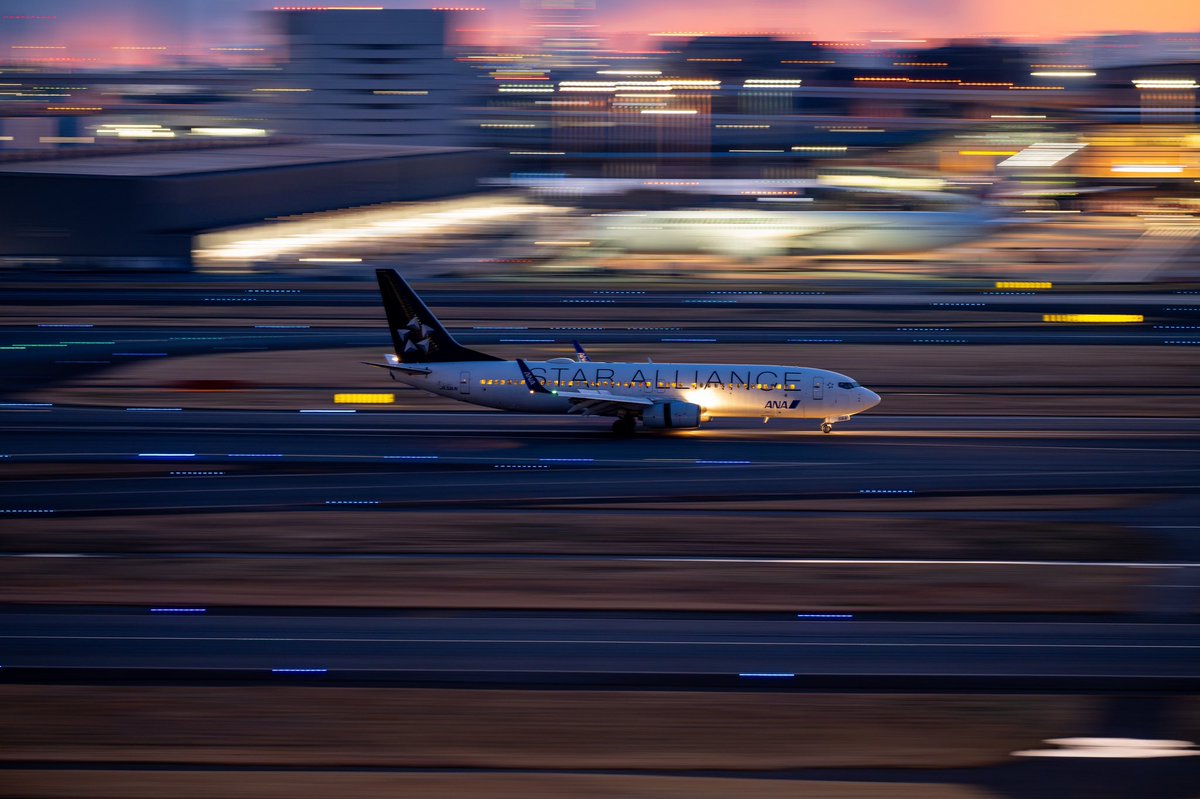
x=868, y=398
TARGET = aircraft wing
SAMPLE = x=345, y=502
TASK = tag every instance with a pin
x=602, y=403
x=589, y=402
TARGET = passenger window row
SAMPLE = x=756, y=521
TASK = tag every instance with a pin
x=619, y=384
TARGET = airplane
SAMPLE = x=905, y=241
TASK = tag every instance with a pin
x=660, y=395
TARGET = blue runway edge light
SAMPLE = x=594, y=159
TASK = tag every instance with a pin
x=824, y=615
x=178, y=610
x=299, y=671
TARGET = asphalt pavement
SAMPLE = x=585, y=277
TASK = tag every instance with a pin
x=553, y=647
x=427, y=460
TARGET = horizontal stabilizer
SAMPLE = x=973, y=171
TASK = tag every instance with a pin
x=399, y=367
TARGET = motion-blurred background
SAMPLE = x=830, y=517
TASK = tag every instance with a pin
x=235, y=561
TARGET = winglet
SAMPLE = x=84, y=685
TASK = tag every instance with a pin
x=581, y=352
x=535, y=385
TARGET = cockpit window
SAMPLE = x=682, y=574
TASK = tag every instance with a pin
x=846, y=384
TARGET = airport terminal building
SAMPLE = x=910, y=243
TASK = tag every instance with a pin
x=144, y=207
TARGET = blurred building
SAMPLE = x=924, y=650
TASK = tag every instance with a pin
x=144, y=207
x=564, y=27
x=370, y=76
x=757, y=106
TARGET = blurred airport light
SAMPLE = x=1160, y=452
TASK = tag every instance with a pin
x=122, y=130
x=237, y=132
x=364, y=399
x=1113, y=748
x=1164, y=83
x=1093, y=318
x=1163, y=169
x=864, y=181
x=1042, y=154
x=371, y=227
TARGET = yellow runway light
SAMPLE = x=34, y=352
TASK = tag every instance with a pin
x=1023, y=284
x=1093, y=318
x=364, y=399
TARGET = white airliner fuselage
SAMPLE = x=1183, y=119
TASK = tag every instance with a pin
x=720, y=390
x=660, y=395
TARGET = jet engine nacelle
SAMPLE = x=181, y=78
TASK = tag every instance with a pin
x=672, y=415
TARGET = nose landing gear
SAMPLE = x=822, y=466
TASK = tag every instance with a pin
x=827, y=424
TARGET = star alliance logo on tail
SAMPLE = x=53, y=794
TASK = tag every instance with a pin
x=419, y=330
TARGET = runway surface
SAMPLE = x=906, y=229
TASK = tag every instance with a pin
x=425, y=460
x=66, y=331
x=544, y=648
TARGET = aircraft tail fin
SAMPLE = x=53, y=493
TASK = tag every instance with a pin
x=534, y=385
x=417, y=334
x=580, y=352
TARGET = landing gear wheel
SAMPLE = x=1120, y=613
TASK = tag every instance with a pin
x=624, y=427
x=826, y=427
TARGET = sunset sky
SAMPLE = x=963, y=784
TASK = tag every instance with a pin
x=194, y=25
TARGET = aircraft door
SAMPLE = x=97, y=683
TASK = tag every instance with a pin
x=464, y=382
x=818, y=391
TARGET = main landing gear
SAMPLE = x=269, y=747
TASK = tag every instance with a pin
x=624, y=427
x=826, y=427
